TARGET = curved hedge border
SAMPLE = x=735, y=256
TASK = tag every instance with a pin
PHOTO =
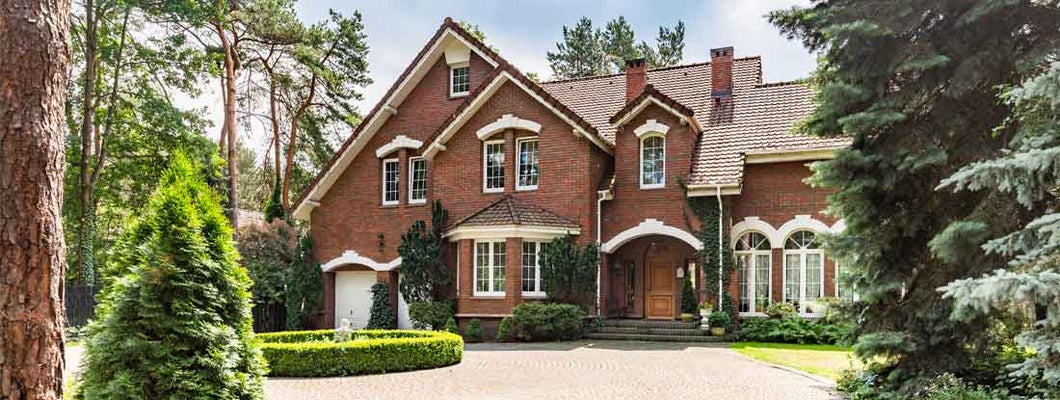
x=313, y=354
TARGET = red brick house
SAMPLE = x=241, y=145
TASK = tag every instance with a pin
x=609, y=158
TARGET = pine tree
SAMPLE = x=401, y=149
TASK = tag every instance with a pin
x=174, y=322
x=381, y=315
x=580, y=53
x=1030, y=282
x=912, y=83
x=619, y=43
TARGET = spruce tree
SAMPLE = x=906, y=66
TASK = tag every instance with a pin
x=381, y=316
x=174, y=321
x=912, y=84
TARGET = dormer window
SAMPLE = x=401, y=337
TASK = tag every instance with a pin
x=652, y=161
x=459, y=80
x=391, y=174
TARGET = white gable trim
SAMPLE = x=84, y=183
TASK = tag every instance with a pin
x=712, y=190
x=389, y=107
x=652, y=100
x=349, y=257
x=801, y=222
x=507, y=121
x=786, y=155
x=754, y=224
x=651, y=126
x=401, y=141
x=650, y=227
x=439, y=143
x=507, y=231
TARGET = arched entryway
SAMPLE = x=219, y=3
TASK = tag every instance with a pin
x=348, y=281
x=645, y=277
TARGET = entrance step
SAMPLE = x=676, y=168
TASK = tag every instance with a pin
x=655, y=338
x=640, y=330
x=646, y=323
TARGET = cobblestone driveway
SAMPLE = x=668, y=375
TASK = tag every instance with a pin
x=586, y=370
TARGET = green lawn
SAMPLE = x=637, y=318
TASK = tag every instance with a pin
x=823, y=360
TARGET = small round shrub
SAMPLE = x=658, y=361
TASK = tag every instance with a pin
x=781, y=310
x=473, y=334
x=431, y=315
x=549, y=321
x=451, y=327
x=506, y=330
x=315, y=354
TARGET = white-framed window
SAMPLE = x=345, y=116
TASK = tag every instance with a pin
x=459, y=80
x=391, y=174
x=803, y=271
x=493, y=166
x=843, y=291
x=417, y=180
x=489, y=268
x=526, y=164
x=652, y=162
x=533, y=285
x=754, y=261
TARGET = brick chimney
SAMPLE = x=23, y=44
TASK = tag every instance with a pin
x=636, y=77
x=721, y=73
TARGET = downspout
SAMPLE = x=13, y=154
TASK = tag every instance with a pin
x=602, y=195
x=721, y=254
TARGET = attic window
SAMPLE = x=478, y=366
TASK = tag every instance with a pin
x=459, y=80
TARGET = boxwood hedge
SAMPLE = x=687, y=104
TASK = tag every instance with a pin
x=315, y=353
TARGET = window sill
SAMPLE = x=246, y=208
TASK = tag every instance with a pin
x=652, y=187
x=390, y=205
x=417, y=203
x=454, y=96
x=525, y=188
x=493, y=191
x=488, y=296
x=535, y=296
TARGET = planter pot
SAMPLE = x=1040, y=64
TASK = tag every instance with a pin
x=686, y=317
x=717, y=331
x=705, y=312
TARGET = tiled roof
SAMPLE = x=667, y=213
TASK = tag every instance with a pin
x=511, y=211
x=758, y=117
x=650, y=91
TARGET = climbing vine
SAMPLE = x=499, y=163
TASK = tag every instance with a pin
x=706, y=211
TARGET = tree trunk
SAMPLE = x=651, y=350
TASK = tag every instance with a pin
x=230, y=125
x=275, y=117
x=293, y=144
x=85, y=250
x=34, y=39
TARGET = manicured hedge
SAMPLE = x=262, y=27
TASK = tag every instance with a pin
x=792, y=330
x=314, y=353
x=537, y=322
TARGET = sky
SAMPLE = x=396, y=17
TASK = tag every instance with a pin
x=524, y=30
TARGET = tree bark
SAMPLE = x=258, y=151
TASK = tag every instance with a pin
x=230, y=124
x=292, y=145
x=34, y=39
x=85, y=250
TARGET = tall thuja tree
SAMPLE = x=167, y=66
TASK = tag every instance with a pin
x=174, y=321
x=912, y=84
x=424, y=275
x=568, y=271
x=304, y=287
x=1029, y=284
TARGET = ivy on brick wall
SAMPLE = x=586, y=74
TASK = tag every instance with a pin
x=706, y=211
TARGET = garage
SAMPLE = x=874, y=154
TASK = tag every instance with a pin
x=353, y=297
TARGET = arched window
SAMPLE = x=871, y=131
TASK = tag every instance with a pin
x=803, y=270
x=652, y=161
x=754, y=259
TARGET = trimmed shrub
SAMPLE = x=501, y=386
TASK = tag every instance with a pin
x=432, y=315
x=315, y=354
x=381, y=315
x=689, y=304
x=451, y=327
x=781, y=310
x=473, y=334
x=792, y=330
x=549, y=321
x=506, y=330
x=174, y=321
x=720, y=319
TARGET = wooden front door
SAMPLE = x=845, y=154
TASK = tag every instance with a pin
x=659, y=303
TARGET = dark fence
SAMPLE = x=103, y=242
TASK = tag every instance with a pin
x=269, y=317
x=80, y=301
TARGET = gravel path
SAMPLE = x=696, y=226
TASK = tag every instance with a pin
x=573, y=370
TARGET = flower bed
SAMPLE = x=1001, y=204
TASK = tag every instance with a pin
x=315, y=353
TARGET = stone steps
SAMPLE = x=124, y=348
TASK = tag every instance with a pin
x=630, y=330
x=644, y=323
x=656, y=338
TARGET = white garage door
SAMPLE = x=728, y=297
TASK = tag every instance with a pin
x=353, y=297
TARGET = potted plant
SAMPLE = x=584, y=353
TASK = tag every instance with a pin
x=705, y=308
x=686, y=317
x=718, y=321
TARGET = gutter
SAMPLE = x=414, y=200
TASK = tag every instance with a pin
x=721, y=254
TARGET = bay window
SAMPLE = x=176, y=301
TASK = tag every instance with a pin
x=532, y=282
x=489, y=268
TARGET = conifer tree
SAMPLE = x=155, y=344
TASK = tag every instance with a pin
x=580, y=53
x=912, y=83
x=174, y=322
x=381, y=315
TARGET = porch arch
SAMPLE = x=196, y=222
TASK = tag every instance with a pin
x=650, y=227
x=352, y=257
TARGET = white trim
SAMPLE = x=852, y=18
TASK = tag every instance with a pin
x=640, y=177
x=786, y=155
x=349, y=257
x=412, y=178
x=399, y=141
x=712, y=190
x=839, y=226
x=382, y=188
x=651, y=126
x=752, y=277
x=649, y=227
x=488, y=92
x=754, y=224
x=507, y=231
x=519, y=163
x=457, y=54
x=507, y=121
x=801, y=222
x=452, y=77
x=535, y=294
x=652, y=100
x=493, y=293
x=485, y=166
x=402, y=89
